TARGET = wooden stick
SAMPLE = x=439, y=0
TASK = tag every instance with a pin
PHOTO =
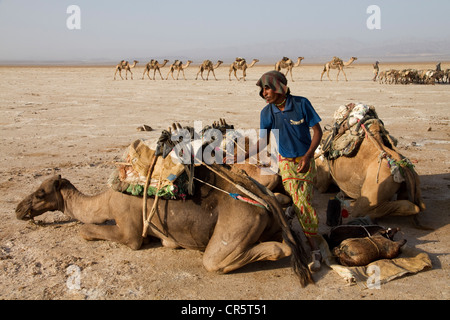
x=144, y=205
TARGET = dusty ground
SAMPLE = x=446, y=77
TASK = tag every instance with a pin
x=75, y=121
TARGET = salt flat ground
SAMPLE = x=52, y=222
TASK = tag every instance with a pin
x=76, y=121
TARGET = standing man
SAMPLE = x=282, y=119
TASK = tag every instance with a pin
x=376, y=70
x=293, y=116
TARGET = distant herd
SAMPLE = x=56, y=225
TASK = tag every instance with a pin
x=391, y=76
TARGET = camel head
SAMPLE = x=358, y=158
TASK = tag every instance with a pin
x=46, y=198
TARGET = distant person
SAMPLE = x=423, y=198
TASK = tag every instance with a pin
x=376, y=70
x=438, y=67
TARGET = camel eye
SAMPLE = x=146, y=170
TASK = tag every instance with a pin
x=40, y=194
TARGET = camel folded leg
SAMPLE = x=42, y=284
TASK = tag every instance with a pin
x=232, y=246
x=266, y=251
x=131, y=238
x=389, y=208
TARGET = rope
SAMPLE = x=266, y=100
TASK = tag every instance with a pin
x=239, y=187
x=252, y=157
x=380, y=159
x=146, y=220
x=235, y=196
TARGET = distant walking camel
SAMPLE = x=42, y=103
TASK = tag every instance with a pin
x=240, y=64
x=208, y=65
x=336, y=63
x=155, y=65
x=288, y=64
x=125, y=65
x=178, y=65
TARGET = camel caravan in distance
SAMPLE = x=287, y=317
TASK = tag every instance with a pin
x=391, y=76
x=238, y=64
x=408, y=76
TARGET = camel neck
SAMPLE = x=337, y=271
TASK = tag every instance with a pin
x=87, y=209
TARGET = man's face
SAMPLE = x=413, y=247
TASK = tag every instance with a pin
x=271, y=96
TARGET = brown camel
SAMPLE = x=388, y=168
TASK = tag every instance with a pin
x=366, y=178
x=208, y=65
x=288, y=64
x=155, y=65
x=178, y=65
x=125, y=65
x=230, y=232
x=241, y=64
x=337, y=63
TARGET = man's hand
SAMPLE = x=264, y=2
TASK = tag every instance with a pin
x=304, y=164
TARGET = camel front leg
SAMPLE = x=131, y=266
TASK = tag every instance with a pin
x=345, y=76
x=214, y=74
x=328, y=75
x=160, y=74
x=375, y=200
x=265, y=251
x=321, y=76
x=388, y=208
x=233, y=245
x=184, y=76
x=131, y=238
x=292, y=78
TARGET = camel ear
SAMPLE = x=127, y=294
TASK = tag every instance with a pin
x=57, y=183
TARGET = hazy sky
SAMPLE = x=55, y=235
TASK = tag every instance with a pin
x=111, y=29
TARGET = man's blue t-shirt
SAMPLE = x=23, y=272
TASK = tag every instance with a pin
x=293, y=124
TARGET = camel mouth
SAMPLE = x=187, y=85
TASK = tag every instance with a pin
x=24, y=210
x=24, y=215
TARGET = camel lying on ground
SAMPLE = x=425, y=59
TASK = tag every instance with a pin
x=366, y=178
x=231, y=233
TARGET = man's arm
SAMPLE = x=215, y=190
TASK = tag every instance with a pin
x=303, y=165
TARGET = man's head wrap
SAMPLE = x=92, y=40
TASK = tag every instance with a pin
x=275, y=80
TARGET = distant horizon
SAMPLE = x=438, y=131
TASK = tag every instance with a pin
x=89, y=31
